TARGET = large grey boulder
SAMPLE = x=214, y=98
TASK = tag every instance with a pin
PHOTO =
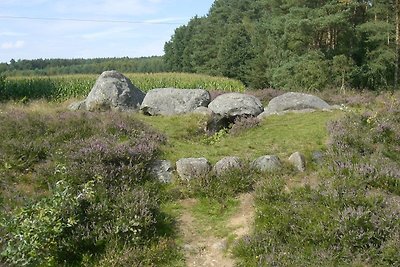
x=172, y=101
x=227, y=164
x=296, y=101
x=233, y=105
x=162, y=170
x=114, y=91
x=191, y=168
x=267, y=163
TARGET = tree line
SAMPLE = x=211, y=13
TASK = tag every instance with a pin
x=82, y=66
x=293, y=44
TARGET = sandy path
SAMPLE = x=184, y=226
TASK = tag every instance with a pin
x=202, y=248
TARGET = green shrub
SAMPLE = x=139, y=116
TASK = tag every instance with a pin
x=35, y=234
x=2, y=86
x=69, y=225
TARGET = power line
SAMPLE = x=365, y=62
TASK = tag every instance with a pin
x=92, y=20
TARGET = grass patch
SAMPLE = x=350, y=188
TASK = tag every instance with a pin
x=212, y=216
x=279, y=135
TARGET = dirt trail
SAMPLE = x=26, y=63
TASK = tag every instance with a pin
x=242, y=221
x=202, y=248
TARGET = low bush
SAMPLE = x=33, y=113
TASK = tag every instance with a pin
x=313, y=227
x=76, y=184
x=71, y=224
x=365, y=148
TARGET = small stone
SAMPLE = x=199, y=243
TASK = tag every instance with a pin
x=318, y=157
x=267, y=163
x=298, y=160
x=203, y=111
x=227, y=164
x=220, y=245
x=190, y=168
x=80, y=105
x=162, y=170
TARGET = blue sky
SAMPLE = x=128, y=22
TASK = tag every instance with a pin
x=148, y=25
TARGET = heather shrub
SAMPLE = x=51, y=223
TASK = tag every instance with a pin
x=78, y=145
x=243, y=124
x=92, y=171
x=304, y=226
x=365, y=148
x=153, y=254
x=351, y=218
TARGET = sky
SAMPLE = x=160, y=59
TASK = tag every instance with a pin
x=31, y=29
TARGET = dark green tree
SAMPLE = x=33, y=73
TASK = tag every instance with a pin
x=234, y=54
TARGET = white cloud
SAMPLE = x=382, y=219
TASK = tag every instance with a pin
x=12, y=45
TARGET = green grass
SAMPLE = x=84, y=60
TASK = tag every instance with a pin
x=279, y=135
x=212, y=216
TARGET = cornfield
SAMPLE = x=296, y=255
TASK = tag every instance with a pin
x=60, y=88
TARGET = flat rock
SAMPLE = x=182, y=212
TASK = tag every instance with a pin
x=191, y=168
x=172, y=101
x=296, y=101
x=232, y=105
x=114, y=91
